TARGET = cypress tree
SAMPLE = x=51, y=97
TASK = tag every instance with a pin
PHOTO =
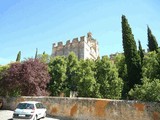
x=18, y=56
x=36, y=53
x=152, y=42
x=132, y=57
x=141, y=53
x=44, y=53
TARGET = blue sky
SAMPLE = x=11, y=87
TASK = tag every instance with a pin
x=29, y=24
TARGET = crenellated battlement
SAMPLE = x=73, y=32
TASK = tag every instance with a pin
x=83, y=47
x=83, y=38
x=68, y=42
x=75, y=40
x=60, y=43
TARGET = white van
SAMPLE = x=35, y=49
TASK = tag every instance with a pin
x=30, y=110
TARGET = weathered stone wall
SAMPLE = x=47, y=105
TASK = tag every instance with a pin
x=92, y=109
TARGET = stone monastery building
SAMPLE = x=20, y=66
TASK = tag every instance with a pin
x=85, y=48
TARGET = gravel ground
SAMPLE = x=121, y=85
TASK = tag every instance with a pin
x=7, y=115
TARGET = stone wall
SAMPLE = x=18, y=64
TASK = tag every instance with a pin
x=92, y=109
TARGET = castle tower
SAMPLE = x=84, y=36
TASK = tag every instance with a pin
x=85, y=48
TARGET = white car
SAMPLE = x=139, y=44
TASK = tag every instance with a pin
x=30, y=110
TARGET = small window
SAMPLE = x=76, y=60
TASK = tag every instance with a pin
x=41, y=105
x=37, y=106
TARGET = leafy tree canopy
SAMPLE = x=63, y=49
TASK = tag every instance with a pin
x=57, y=70
x=87, y=86
x=45, y=58
x=151, y=66
x=149, y=91
x=27, y=78
x=107, y=77
x=72, y=73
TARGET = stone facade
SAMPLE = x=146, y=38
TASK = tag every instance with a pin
x=85, y=48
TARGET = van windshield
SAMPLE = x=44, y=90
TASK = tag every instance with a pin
x=25, y=106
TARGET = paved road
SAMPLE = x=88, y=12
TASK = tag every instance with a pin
x=7, y=115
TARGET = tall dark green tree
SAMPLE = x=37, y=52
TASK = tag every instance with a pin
x=44, y=53
x=141, y=53
x=18, y=56
x=36, y=55
x=132, y=57
x=152, y=42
